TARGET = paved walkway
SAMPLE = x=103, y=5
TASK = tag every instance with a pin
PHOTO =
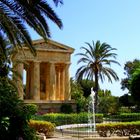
x=59, y=136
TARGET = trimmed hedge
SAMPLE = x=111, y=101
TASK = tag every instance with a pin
x=44, y=127
x=125, y=117
x=62, y=119
x=119, y=129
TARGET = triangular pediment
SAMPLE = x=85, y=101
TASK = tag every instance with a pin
x=48, y=51
x=51, y=45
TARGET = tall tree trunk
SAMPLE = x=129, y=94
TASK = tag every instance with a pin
x=96, y=90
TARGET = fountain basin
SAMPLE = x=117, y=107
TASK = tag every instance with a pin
x=70, y=129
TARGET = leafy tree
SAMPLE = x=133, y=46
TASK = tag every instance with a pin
x=16, y=14
x=135, y=86
x=96, y=59
x=108, y=104
x=130, y=67
x=86, y=86
x=77, y=95
x=14, y=114
x=126, y=100
x=104, y=93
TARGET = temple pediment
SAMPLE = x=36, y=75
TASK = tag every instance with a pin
x=46, y=51
x=51, y=46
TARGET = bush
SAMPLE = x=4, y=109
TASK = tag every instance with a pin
x=125, y=110
x=14, y=114
x=119, y=129
x=44, y=127
x=125, y=117
x=66, y=108
x=62, y=119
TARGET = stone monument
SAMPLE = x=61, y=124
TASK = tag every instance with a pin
x=47, y=74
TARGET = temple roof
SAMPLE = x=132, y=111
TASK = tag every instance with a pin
x=51, y=45
x=45, y=52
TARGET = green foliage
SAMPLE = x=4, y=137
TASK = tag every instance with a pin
x=96, y=61
x=15, y=15
x=130, y=67
x=77, y=95
x=66, y=108
x=44, y=127
x=125, y=110
x=108, y=105
x=14, y=114
x=86, y=86
x=126, y=100
x=125, y=117
x=135, y=86
x=104, y=93
x=61, y=119
x=119, y=129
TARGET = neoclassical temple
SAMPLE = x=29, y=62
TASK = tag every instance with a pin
x=46, y=74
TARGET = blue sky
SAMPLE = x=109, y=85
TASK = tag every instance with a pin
x=116, y=22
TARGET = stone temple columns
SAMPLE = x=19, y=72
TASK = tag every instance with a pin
x=52, y=80
x=62, y=82
x=47, y=73
x=20, y=80
x=67, y=83
x=56, y=81
x=36, y=84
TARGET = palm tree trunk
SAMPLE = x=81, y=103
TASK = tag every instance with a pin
x=96, y=90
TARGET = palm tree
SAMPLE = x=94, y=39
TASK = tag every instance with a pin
x=96, y=60
x=15, y=15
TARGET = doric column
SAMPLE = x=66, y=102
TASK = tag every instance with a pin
x=67, y=83
x=58, y=83
x=62, y=82
x=36, y=82
x=20, y=80
x=52, y=81
x=27, y=96
x=47, y=81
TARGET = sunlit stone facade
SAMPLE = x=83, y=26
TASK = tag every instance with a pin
x=47, y=73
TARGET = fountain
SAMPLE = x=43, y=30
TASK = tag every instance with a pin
x=91, y=110
x=90, y=125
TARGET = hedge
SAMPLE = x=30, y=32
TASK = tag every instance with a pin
x=62, y=119
x=124, y=117
x=44, y=127
x=119, y=129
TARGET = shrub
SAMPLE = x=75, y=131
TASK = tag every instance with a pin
x=125, y=117
x=61, y=119
x=119, y=129
x=125, y=110
x=14, y=114
x=43, y=127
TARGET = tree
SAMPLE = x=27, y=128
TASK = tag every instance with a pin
x=86, y=86
x=78, y=95
x=14, y=114
x=104, y=93
x=130, y=67
x=96, y=60
x=108, y=104
x=135, y=86
x=16, y=14
x=126, y=100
